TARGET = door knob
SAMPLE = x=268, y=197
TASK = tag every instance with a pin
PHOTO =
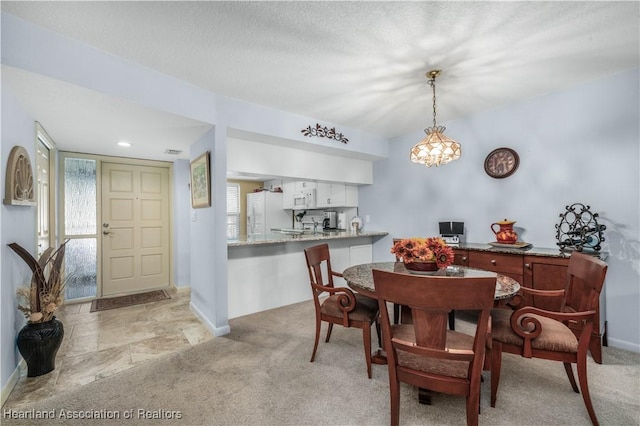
x=106, y=232
x=105, y=225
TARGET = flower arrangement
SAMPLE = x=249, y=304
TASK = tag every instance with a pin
x=42, y=298
x=430, y=249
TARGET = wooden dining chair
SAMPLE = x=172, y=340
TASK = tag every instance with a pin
x=343, y=306
x=536, y=333
x=425, y=354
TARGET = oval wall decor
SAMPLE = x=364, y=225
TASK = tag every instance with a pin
x=19, y=189
x=501, y=163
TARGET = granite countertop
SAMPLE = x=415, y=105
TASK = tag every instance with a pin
x=281, y=238
x=529, y=251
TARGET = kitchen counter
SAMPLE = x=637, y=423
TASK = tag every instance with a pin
x=281, y=238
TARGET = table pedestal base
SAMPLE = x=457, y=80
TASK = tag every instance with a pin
x=379, y=357
x=424, y=396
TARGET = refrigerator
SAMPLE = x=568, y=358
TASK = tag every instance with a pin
x=264, y=212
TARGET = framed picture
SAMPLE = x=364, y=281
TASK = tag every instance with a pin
x=200, y=182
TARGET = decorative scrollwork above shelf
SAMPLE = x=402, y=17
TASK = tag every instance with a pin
x=19, y=188
x=324, y=132
x=579, y=229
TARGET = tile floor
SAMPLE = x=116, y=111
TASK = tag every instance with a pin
x=99, y=344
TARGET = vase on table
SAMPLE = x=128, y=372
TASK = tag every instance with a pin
x=38, y=344
x=421, y=266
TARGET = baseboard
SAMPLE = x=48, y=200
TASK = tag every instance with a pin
x=13, y=380
x=182, y=289
x=217, y=331
x=623, y=344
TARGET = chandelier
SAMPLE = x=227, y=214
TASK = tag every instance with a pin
x=435, y=148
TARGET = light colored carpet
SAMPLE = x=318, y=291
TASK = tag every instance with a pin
x=260, y=374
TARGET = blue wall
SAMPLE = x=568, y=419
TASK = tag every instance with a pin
x=579, y=145
x=18, y=224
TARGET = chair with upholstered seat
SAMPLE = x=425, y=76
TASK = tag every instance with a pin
x=424, y=353
x=536, y=333
x=343, y=306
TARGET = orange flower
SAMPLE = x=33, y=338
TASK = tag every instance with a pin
x=424, y=249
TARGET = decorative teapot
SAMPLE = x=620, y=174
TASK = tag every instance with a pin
x=505, y=234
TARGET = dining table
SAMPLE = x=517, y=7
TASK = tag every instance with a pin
x=360, y=279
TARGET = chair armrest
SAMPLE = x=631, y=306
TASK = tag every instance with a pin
x=336, y=274
x=528, y=327
x=346, y=297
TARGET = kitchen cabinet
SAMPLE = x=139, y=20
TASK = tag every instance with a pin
x=336, y=195
x=330, y=195
x=273, y=184
x=540, y=269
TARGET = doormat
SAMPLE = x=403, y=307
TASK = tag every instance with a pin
x=128, y=300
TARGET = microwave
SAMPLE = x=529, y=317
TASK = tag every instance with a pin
x=305, y=200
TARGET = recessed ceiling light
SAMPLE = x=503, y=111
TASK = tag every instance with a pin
x=123, y=143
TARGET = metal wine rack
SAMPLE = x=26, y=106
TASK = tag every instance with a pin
x=579, y=229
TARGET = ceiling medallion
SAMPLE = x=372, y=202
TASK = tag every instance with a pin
x=324, y=132
x=436, y=148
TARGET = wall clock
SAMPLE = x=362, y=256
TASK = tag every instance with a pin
x=501, y=163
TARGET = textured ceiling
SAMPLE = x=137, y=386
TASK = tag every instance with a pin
x=361, y=64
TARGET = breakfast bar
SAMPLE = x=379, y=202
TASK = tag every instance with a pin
x=269, y=271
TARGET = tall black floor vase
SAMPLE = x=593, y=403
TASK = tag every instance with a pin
x=38, y=344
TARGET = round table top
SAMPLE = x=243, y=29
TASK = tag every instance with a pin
x=360, y=277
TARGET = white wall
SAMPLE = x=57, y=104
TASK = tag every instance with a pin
x=245, y=156
x=18, y=225
x=579, y=145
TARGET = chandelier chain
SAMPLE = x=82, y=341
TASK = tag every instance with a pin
x=433, y=88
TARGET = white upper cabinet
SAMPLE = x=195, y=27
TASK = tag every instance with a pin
x=336, y=195
x=273, y=184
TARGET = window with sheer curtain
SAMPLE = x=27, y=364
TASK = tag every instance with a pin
x=233, y=211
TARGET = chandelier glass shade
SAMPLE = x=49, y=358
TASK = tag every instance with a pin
x=435, y=148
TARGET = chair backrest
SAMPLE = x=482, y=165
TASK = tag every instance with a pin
x=585, y=278
x=430, y=299
x=319, y=260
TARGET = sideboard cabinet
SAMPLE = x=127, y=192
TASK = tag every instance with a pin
x=540, y=269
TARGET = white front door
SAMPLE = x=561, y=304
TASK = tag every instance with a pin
x=134, y=228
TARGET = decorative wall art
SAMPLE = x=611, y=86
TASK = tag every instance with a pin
x=501, y=163
x=19, y=188
x=200, y=182
x=324, y=132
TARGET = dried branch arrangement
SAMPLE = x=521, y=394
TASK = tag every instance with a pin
x=42, y=298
